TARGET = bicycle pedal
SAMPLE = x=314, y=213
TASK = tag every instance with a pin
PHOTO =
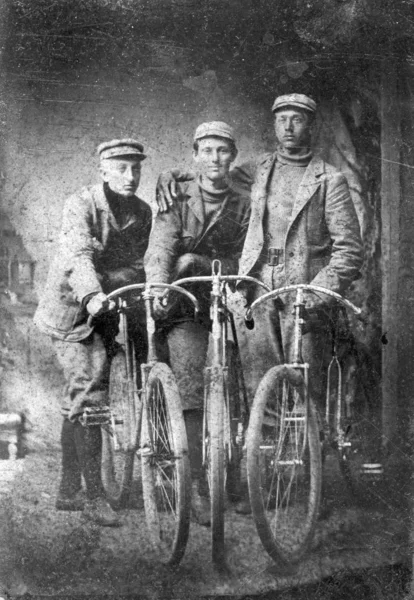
x=374, y=470
x=95, y=417
x=144, y=451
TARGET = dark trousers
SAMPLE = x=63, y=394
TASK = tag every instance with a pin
x=186, y=344
x=86, y=366
x=81, y=454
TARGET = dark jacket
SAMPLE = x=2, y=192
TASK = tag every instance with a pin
x=323, y=242
x=94, y=254
x=183, y=230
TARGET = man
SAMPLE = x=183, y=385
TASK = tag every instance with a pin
x=207, y=220
x=104, y=235
x=303, y=227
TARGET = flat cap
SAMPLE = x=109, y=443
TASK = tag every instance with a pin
x=299, y=100
x=214, y=128
x=125, y=147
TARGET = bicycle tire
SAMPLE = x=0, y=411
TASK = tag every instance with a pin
x=117, y=450
x=359, y=454
x=166, y=478
x=284, y=469
x=216, y=460
x=235, y=471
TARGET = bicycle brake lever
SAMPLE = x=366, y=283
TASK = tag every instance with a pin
x=363, y=317
x=249, y=322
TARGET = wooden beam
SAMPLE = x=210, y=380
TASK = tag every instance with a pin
x=390, y=237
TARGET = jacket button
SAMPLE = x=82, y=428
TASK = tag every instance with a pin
x=291, y=254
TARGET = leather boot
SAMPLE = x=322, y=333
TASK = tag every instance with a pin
x=243, y=506
x=100, y=512
x=69, y=495
x=89, y=448
x=200, y=505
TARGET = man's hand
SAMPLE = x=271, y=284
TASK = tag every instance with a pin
x=159, y=306
x=192, y=265
x=99, y=304
x=166, y=191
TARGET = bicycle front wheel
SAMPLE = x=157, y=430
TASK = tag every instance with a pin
x=119, y=436
x=284, y=466
x=166, y=478
x=216, y=458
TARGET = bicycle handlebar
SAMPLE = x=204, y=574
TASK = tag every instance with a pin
x=224, y=278
x=146, y=287
x=306, y=287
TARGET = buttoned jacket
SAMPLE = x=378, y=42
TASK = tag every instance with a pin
x=323, y=240
x=183, y=229
x=94, y=254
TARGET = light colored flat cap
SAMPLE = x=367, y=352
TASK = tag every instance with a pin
x=117, y=148
x=298, y=100
x=214, y=128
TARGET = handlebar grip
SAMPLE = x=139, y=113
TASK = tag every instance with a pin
x=249, y=323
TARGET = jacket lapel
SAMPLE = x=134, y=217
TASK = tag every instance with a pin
x=102, y=205
x=309, y=185
x=195, y=202
x=254, y=238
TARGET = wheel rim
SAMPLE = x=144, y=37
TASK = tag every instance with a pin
x=119, y=438
x=165, y=469
x=285, y=468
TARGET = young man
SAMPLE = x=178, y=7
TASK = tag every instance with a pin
x=303, y=227
x=104, y=235
x=207, y=220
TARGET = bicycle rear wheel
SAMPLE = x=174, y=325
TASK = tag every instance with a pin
x=119, y=437
x=166, y=478
x=359, y=446
x=284, y=466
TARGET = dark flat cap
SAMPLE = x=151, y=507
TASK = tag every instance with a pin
x=117, y=148
x=298, y=100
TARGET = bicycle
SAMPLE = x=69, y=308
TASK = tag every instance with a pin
x=148, y=424
x=226, y=408
x=284, y=457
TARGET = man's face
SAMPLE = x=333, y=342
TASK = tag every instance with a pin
x=214, y=157
x=292, y=128
x=122, y=175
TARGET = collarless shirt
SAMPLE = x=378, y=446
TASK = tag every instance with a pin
x=286, y=178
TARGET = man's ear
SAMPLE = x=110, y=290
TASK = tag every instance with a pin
x=196, y=156
x=234, y=155
x=102, y=173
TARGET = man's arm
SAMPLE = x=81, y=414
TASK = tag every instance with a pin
x=167, y=190
x=77, y=245
x=343, y=225
x=164, y=245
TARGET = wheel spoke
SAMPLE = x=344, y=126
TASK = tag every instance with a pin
x=285, y=489
x=165, y=470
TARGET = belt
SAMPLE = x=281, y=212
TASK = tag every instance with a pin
x=275, y=256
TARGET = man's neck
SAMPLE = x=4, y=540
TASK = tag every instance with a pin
x=214, y=187
x=294, y=156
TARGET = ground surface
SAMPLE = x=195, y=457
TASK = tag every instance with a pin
x=46, y=552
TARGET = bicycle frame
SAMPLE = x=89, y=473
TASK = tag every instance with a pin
x=220, y=317
x=133, y=392
x=217, y=401
x=298, y=335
